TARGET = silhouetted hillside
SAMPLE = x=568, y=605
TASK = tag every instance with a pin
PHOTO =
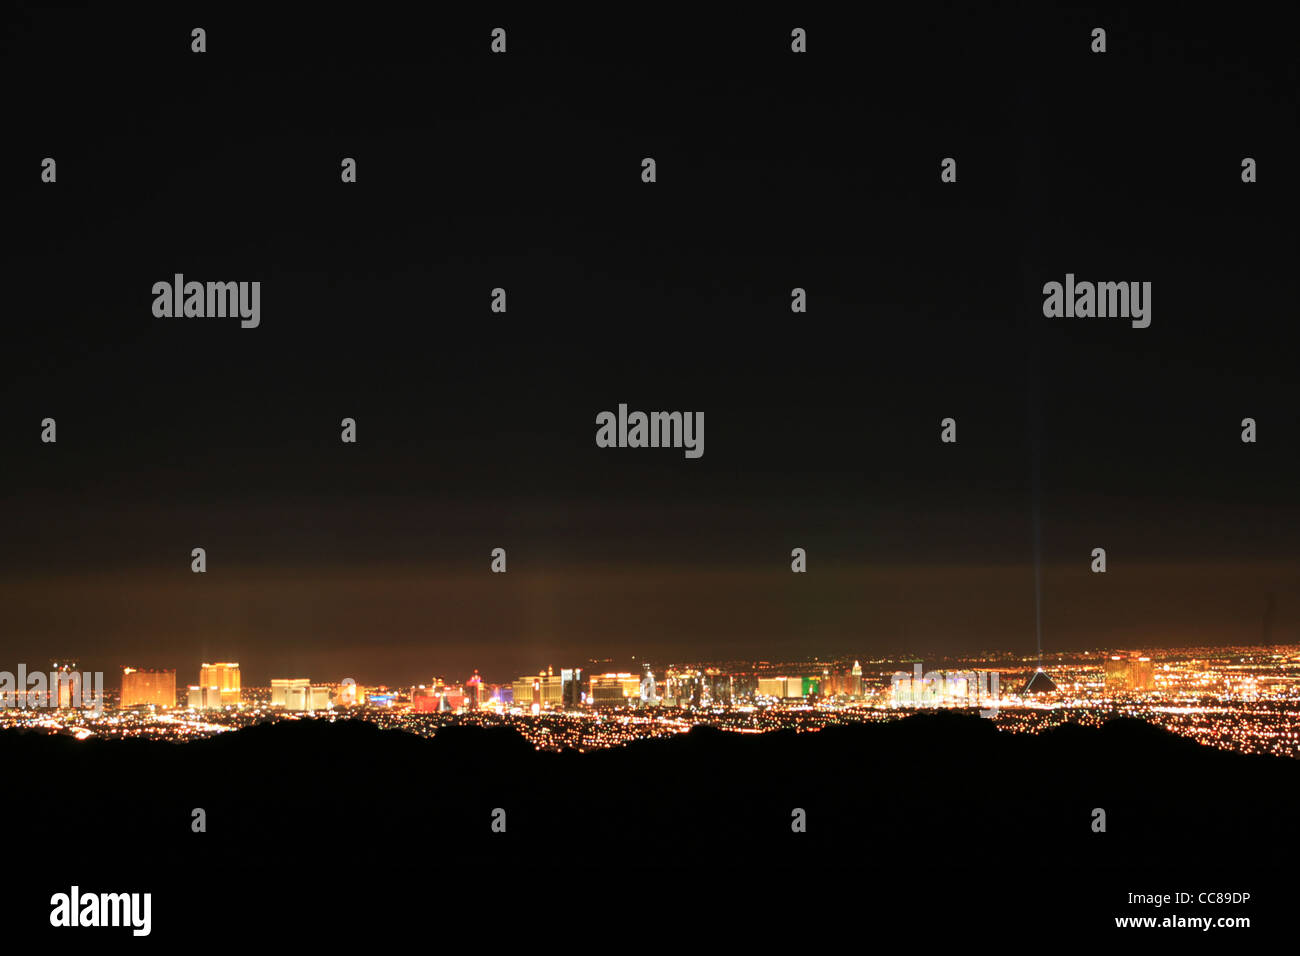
x=911, y=803
x=285, y=780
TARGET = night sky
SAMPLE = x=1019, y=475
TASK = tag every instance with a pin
x=476, y=430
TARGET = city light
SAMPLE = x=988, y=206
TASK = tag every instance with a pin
x=1245, y=699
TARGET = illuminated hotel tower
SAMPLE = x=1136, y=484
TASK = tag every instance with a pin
x=66, y=686
x=282, y=687
x=145, y=686
x=225, y=676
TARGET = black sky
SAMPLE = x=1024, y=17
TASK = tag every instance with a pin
x=477, y=430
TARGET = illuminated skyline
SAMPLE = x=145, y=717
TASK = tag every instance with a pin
x=1238, y=698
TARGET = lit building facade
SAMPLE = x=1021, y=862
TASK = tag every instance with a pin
x=203, y=698
x=1129, y=674
x=224, y=676
x=281, y=686
x=574, y=692
x=443, y=698
x=544, y=690
x=841, y=681
x=67, y=690
x=787, y=688
x=615, y=688
x=685, y=687
x=146, y=686
x=307, y=698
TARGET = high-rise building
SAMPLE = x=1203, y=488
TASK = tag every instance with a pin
x=614, y=688
x=1142, y=674
x=787, y=688
x=145, y=686
x=280, y=687
x=839, y=680
x=306, y=698
x=203, y=698
x=1134, y=673
x=718, y=689
x=685, y=687
x=1115, y=673
x=571, y=682
x=66, y=690
x=474, y=691
x=744, y=685
x=223, y=675
x=545, y=691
